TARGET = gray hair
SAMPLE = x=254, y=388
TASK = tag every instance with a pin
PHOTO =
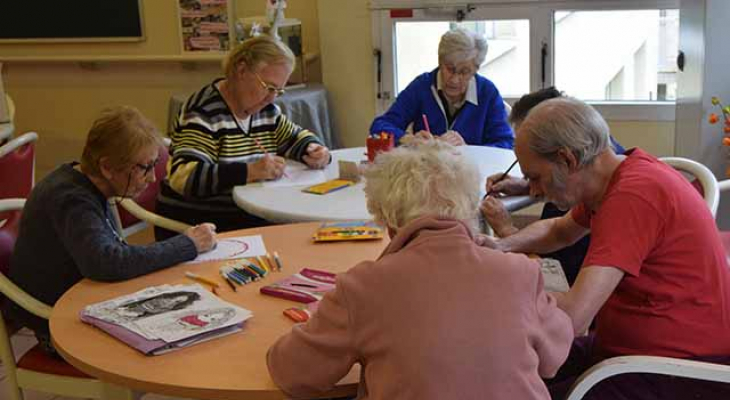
x=429, y=179
x=257, y=51
x=566, y=123
x=459, y=45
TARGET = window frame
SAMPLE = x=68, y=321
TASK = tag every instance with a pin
x=540, y=15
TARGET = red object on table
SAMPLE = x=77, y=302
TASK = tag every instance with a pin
x=379, y=143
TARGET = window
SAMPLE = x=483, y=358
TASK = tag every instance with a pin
x=625, y=55
x=617, y=54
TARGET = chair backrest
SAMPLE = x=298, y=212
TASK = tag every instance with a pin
x=35, y=369
x=507, y=109
x=148, y=198
x=704, y=180
x=17, y=166
x=648, y=365
x=9, y=231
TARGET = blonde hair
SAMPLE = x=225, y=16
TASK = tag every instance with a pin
x=118, y=134
x=257, y=51
x=429, y=179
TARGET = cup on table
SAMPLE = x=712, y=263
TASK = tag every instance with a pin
x=379, y=142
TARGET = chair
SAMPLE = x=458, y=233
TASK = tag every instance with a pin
x=648, y=364
x=704, y=180
x=7, y=113
x=17, y=166
x=724, y=186
x=135, y=215
x=507, y=109
x=36, y=370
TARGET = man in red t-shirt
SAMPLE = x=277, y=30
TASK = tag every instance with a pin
x=655, y=277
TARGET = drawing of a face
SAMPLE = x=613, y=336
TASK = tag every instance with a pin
x=210, y=317
x=158, y=304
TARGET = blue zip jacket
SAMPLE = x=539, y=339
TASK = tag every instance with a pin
x=482, y=125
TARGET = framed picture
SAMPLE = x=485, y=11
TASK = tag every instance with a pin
x=205, y=25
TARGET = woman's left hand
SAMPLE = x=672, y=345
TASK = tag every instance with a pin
x=453, y=138
x=317, y=156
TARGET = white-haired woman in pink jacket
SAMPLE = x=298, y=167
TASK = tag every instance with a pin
x=435, y=316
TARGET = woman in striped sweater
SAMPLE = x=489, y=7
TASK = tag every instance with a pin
x=230, y=133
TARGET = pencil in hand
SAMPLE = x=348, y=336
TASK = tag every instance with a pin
x=501, y=178
x=425, y=123
x=266, y=153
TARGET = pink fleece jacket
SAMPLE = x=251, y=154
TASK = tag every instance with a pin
x=435, y=317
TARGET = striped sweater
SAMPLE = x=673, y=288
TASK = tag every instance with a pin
x=210, y=150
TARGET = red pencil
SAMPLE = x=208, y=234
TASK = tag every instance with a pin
x=425, y=123
x=266, y=153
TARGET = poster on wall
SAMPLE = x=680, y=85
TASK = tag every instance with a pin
x=205, y=25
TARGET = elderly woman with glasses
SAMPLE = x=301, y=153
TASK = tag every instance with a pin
x=435, y=316
x=67, y=231
x=452, y=102
x=230, y=133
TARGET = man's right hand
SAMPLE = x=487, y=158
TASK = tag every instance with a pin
x=267, y=167
x=510, y=185
x=203, y=236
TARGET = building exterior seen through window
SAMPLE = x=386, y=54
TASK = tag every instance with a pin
x=617, y=55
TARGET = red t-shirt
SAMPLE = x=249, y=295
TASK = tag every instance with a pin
x=675, y=297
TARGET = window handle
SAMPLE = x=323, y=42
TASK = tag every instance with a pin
x=379, y=70
x=543, y=63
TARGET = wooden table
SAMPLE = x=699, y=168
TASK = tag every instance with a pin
x=232, y=367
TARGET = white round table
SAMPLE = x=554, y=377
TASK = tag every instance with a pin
x=291, y=204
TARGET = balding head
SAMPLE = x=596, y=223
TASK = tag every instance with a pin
x=565, y=123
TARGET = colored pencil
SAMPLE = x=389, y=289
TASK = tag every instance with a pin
x=504, y=175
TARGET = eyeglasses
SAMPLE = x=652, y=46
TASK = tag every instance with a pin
x=146, y=169
x=270, y=88
x=462, y=73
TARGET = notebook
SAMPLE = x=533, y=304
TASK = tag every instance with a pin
x=306, y=286
x=160, y=319
x=348, y=230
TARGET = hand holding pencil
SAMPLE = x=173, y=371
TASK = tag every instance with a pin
x=503, y=183
x=268, y=167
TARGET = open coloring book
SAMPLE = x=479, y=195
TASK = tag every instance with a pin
x=163, y=318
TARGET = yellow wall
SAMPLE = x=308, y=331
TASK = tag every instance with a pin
x=655, y=137
x=59, y=100
x=347, y=67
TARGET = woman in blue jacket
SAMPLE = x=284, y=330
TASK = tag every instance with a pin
x=460, y=106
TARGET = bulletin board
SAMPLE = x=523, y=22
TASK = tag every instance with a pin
x=205, y=25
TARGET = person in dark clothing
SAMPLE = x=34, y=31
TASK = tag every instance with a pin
x=493, y=211
x=66, y=231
